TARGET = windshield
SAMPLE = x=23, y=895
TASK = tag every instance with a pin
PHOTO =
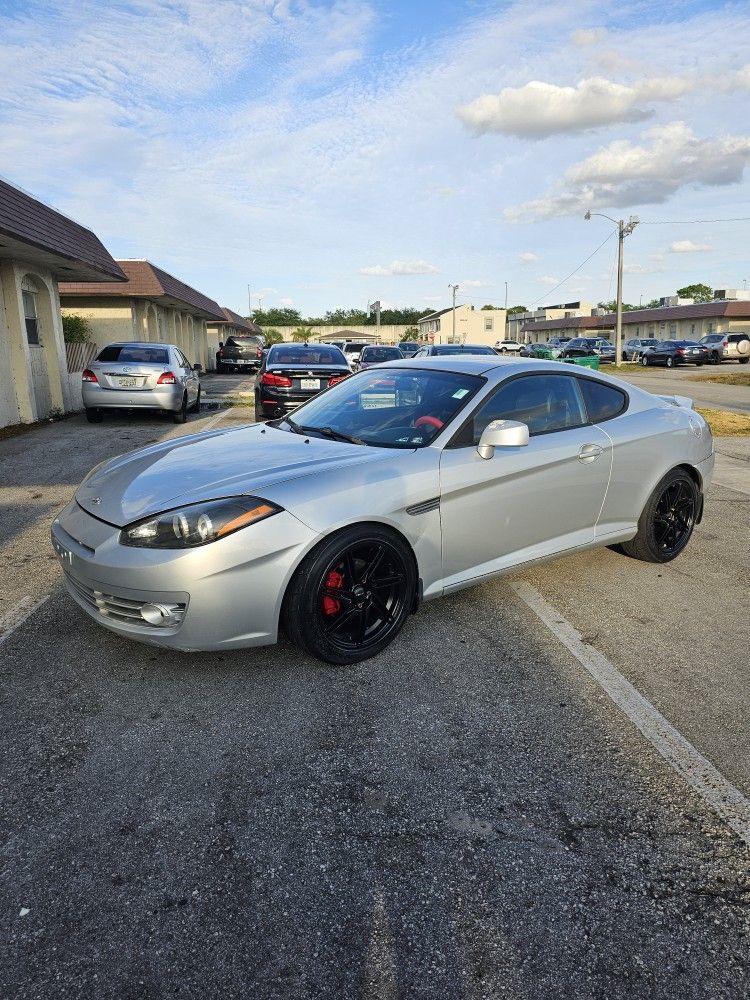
x=462, y=349
x=134, y=354
x=396, y=408
x=408, y=345
x=371, y=354
x=290, y=354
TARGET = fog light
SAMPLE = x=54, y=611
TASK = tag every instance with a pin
x=161, y=615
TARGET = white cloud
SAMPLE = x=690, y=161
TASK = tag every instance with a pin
x=400, y=267
x=587, y=36
x=527, y=257
x=539, y=109
x=286, y=302
x=550, y=280
x=623, y=174
x=475, y=283
x=687, y=246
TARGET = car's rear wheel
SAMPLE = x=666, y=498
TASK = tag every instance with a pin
x=667, y=521
x=350, y=597
x=180, y=416
x=94, y=415
x=196, y=407
x=743, y=361
x=715, y=359
x=644, y=360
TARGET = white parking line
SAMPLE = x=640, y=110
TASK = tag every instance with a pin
x=215, y=419
x=17, y=615
x=699, y=773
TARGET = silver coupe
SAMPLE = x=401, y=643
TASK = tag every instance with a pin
x=400, y=484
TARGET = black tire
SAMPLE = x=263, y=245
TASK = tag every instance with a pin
x=743, y=361
x=698, y=364
x=180, y=416
x=196, y=407
x=715, y=359
x=350, y=597
x=260, y=417
x=667, y=521
x=644, y=360
x=669, y=362
x=93, y=415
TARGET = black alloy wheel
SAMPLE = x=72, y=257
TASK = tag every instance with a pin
x=667, y=521
x=350, y=597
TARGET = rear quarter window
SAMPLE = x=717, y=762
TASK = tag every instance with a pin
x=602, y=401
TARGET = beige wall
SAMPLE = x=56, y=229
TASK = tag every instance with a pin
x=32, y=382
x=473, y=326
x=116, y=319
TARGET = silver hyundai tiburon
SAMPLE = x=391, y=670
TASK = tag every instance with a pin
x=400, y=484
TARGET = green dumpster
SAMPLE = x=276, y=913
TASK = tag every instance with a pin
x=590, y=361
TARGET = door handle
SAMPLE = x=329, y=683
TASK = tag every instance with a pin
x=589, y=453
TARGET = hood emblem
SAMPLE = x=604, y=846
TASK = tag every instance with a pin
x=96, y=500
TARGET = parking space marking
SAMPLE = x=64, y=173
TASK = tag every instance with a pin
x=679, y=753
x=17, y=615
x=215, y=419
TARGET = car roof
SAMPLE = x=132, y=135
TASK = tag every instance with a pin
x=138, y=343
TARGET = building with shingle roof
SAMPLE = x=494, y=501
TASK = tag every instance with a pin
x=40, y=246
x=150, y=305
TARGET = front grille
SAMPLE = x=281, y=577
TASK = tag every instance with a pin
x=120, y=609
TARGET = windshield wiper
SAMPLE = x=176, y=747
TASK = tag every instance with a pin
x=329, y=432
x=287, y=420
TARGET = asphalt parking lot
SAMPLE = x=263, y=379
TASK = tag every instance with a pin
x=467, y=815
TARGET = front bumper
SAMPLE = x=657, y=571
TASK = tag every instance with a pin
x=167, y=397
x=223, y=595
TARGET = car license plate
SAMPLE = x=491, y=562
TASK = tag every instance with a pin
x=309, y=383
x=239, y=361
x=126, y=382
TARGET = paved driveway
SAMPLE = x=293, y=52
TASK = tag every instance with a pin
x=467, y=815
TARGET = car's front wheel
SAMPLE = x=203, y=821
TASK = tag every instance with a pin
x=667, y=521
x=644, y=360
x=351, y=595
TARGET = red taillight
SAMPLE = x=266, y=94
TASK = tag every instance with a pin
x=336, y=379
x=268, y=379
x=88, y=376
x=258, y=353
x=725, y=343
x=680, y=350
x=166, y=378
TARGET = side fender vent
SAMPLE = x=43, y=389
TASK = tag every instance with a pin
x=424, y=507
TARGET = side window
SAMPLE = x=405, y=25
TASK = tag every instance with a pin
x=544, y=402
x=602, y=401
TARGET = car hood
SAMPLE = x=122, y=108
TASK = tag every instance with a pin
x=210, y=465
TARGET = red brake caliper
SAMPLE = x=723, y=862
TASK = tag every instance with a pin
x=334, y=581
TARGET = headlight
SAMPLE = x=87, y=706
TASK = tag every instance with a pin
x=197, y=524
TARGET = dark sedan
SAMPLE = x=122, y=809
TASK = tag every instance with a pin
x=372, y=355
x=442, y=350
x=584, y=347
x=675, y=352
x=293, y=373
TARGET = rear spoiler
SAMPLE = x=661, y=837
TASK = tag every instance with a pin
x=684, y=401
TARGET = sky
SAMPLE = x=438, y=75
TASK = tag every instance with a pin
x=326, y=154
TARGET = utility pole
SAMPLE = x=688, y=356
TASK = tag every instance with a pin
x=376, y=307
x=506, y=296
x=453, y=335
x=249, y=303
x=623, y=229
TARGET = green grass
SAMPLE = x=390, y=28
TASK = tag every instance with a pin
x=724, y=378
x=726, y=424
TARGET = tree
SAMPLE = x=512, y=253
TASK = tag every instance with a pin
x=302, y=334
x=699, y=292
x=410, y=332
x=272, y=336
x=517, y=309
x=76, y=329
x=276, y=317
x=489, y=306
x=612, y=306
x=652, y=304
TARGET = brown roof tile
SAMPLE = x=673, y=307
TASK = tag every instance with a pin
x=31, y=222
x=234, y=319
x=146, y=280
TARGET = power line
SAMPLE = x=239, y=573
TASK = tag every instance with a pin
x=691, y=222
x=560, y=283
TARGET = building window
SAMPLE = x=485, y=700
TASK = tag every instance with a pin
x=692, y=329
x=30, y=315
x=710, y=328
x=673, y=330
x=488, y=322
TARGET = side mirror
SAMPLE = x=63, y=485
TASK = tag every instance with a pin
x=197, y=368
x=502, y=434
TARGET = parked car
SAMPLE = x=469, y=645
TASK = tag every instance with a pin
x=544, y=351
x=559, y=341
x=352, y=350
x=508, y=346
x=141, y=376
x=408, y=348
x=399, y=484
x=374, y=354
x=633, y=348
x=581, y=347
x=675, y=352
x=727, y=347
x=443, y=350
x=293, y=373
x=240, y=354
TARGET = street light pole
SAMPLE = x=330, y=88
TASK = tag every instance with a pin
x=506, y=296
x=623, y=229
x=455, y=289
